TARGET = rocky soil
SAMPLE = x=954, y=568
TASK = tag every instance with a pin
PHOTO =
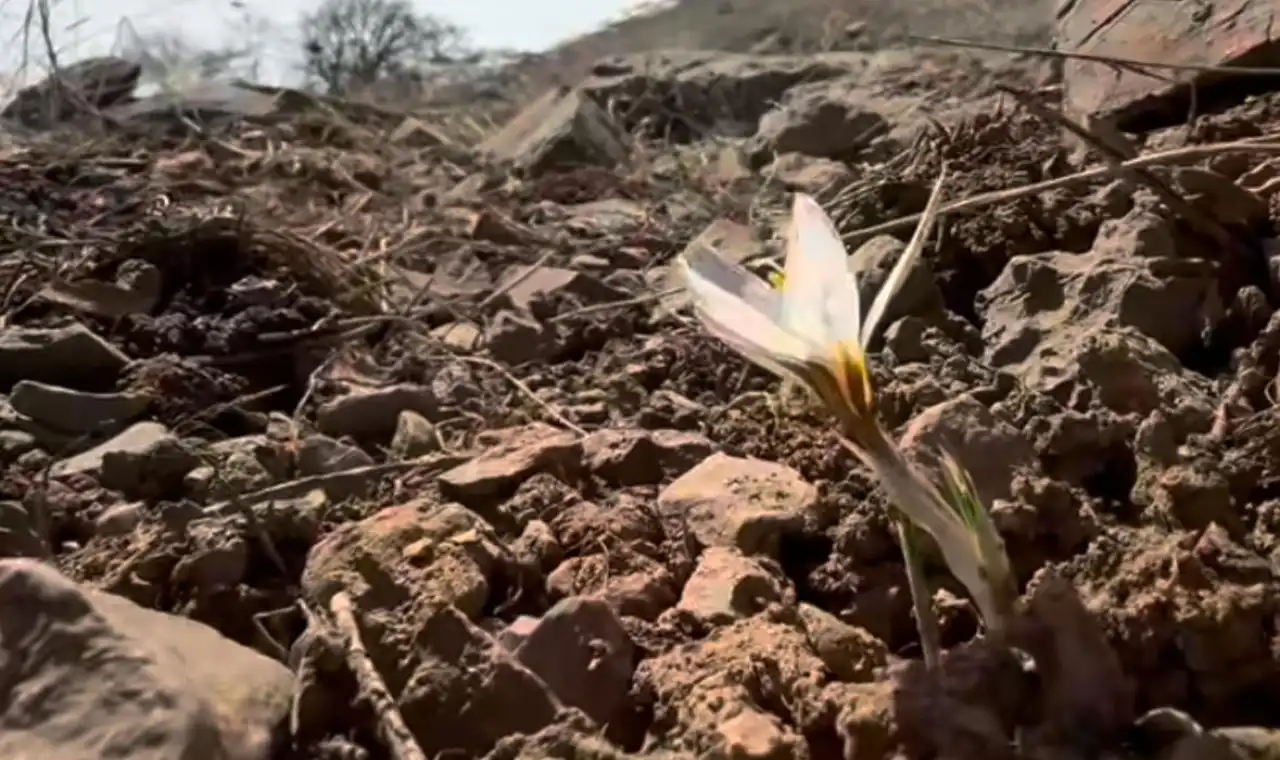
x=325, y=436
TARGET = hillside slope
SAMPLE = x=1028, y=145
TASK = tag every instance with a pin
x=796, y=26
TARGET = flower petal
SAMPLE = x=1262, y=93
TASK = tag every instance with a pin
x=898, y=276
x=738, y=308
x=708, y=268
x=820, y=300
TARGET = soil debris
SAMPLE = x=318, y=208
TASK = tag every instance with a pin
x=324, y=439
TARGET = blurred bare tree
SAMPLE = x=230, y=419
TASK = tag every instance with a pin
x=357, y=43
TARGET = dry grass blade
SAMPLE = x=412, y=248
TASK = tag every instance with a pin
x=902, y=270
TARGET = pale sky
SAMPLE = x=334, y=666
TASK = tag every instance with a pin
x=80, y=30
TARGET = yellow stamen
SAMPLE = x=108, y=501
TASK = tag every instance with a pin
x=844, y=386
x=854, y=380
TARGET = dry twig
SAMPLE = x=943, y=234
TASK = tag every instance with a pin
x=400, y=741
x=1132, y=64
x=1262, y=144
x=526, y=391
x=1201, y=221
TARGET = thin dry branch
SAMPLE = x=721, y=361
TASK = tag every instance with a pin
x=1202, y=222
x=527, y=392
x=394, y=731
x=982, y=200
x=1133, y=64
x=339, y=480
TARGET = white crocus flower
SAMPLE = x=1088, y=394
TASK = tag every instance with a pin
x=812, y=331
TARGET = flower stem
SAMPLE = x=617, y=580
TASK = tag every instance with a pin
x=921, y=599
x=919, y=501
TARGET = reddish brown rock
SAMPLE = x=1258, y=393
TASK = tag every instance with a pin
x=515, y=454
x=728, y=586
x=1209, y=34
x=739, y=502
x=416, y=551
x=641, y=457
x=583, y=654
x=710, y=696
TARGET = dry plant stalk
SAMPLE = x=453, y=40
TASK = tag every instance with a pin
x=399, y=739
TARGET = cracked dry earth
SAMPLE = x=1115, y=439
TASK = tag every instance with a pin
x=570, y=525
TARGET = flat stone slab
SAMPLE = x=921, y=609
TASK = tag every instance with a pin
x=1200, y=32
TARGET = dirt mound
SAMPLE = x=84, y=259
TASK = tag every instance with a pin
x=350, y=440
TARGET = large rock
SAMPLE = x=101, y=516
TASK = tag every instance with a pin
x=436, y=555
x=72, y=356
x=513, y=455
x=1207, y=34
x=87, y=675
x=815, y=121
x=463, y=693
x=582, y=652
x=1173, y=301
x=559, y=130
x=741, y=503
x=711, y=696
